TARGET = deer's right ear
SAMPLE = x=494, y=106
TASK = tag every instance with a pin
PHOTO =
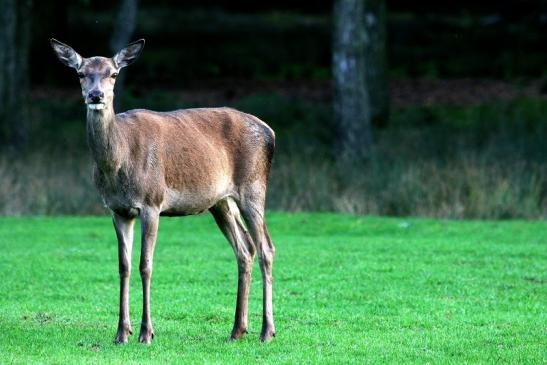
x=129, y=54
x=66, y=54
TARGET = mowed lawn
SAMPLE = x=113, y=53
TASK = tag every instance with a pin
x=346, y=290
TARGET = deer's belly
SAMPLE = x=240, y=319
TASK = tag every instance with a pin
x=175, y=203
x=178, y=203
x=127, y=198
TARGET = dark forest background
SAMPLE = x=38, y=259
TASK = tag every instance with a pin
x=463, y=134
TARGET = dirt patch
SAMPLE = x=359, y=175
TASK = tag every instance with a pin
x=404, y=93
x=463, y=92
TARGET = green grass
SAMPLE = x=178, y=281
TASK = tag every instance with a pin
x=347, y=290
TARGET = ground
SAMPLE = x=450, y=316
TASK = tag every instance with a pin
x=347, y=289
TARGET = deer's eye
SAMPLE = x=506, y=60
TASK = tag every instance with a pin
x=114, y=75
x=81, y=75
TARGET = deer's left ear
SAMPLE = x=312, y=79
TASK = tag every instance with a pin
x=66, y=54
x=129, y=54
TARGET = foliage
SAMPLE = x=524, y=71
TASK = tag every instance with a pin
x=440, y=161
x=377, y=290
x=189, y=42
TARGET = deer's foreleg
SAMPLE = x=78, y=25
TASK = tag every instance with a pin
x=149, y=230
x=124, y=233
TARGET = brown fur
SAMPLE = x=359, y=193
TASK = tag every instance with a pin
x=204, y=155
x=177, y=163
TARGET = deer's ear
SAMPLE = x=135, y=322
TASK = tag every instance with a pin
x=66, y=54
x=129, y=54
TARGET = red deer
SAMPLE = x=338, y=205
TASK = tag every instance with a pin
x=148, y=164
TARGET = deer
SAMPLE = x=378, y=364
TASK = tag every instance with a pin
x=148, y=164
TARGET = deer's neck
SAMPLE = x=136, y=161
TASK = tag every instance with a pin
x=104, y=138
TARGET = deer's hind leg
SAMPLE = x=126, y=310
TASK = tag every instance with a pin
x=252, y=209
x=228, y=219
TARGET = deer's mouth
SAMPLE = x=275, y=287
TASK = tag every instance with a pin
x=95, y=106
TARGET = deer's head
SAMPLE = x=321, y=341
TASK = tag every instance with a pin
x=97, y=74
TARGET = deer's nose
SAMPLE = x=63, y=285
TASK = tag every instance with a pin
x=96, y=96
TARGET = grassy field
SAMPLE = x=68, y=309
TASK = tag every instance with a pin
x=347, y=290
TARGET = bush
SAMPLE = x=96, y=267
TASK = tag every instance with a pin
x=452, y=162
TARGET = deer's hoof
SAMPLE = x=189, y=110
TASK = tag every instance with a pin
x=237, y=333
x=120, y=339
x=267, y=334
x=122, y=335
x=146, y=335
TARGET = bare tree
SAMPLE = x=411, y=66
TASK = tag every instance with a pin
x=15, y=21
x=376, y=71
x=124, y=26
x=351, y=105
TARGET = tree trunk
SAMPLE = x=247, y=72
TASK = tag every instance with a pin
x=124, y=26
x=376, y=77
x=15, y=21
x=351, y=106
